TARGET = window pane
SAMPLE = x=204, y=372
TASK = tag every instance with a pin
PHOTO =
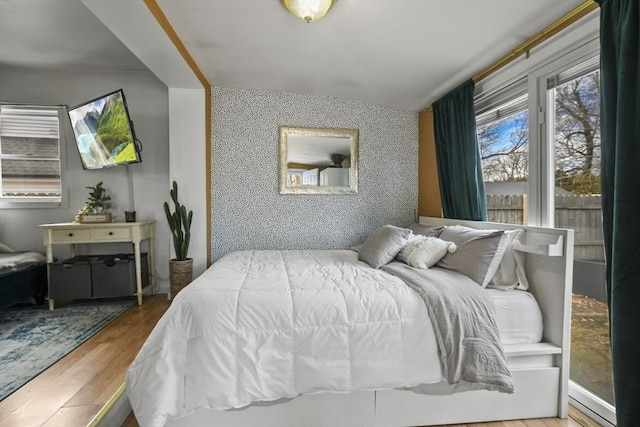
x=38, y=147
x=504, y=148
x=29, y=154
x=578, y=206
x=30, y=178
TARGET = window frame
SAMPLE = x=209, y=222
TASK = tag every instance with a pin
x=544, y=104
x=541, y=112
x=44, y=203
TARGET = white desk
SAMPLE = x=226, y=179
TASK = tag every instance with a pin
x=134, y=232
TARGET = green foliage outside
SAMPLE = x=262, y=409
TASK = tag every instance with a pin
x=580, y=183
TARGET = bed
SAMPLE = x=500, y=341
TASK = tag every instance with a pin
x=367, y=337
x=23, y=276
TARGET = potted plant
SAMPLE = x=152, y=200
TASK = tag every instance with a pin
x=96, y=206
x=180, y=267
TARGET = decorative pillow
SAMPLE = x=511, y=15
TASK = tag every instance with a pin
x=424, y=252
x=478, y=254
x=510, y=274
x=426, y=230
x=383, y=245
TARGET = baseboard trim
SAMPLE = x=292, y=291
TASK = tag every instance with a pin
x=114, y=412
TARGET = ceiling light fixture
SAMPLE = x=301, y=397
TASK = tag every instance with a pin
x=308, y=10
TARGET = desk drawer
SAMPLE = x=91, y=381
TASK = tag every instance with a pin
x=115, y=233
x=71, y=235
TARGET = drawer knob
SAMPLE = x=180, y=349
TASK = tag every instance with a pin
x=70, y=234
x=111, y=233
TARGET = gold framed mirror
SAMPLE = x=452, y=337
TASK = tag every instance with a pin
x=318, y=160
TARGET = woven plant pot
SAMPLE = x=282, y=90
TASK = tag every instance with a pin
x=180, y=275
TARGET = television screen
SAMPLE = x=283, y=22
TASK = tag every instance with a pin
x=104, y=132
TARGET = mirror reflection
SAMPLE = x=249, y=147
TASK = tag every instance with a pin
x=318, y=160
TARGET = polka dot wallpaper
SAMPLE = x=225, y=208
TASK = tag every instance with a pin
x=247, y=210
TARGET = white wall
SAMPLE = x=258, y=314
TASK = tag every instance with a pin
x=147, y=99
x=187, y=166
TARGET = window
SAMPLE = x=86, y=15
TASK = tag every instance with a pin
x=573, y=97
x=29, y=154
x=502, y=121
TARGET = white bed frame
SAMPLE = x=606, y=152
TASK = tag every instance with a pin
x=540, y=371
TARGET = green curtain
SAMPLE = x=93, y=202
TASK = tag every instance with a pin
x=620, y=133
x=458, y=155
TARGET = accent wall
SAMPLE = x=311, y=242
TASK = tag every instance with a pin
x=247, y=210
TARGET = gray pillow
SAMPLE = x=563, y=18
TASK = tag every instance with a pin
x=383, y=245
x=460, y=234
x=426, y=230
x=477, y=258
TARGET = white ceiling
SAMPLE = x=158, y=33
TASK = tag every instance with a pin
x=399, y=53
x=60, y=34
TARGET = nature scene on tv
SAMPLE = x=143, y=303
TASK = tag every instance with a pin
x=103, y=133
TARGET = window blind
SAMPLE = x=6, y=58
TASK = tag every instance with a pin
x=586, y=67
x=501, y=103
x=29, y=154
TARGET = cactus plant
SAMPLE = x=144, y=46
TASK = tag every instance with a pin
x=180, y=224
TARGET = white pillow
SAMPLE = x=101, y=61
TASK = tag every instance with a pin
x=424, y=251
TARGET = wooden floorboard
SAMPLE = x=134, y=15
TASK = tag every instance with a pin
x=71, y=392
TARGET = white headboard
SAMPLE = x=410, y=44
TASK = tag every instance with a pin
x=549, y=268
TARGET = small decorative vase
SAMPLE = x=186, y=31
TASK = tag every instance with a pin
x=180, y=275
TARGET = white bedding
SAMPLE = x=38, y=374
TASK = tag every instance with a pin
x=518, y=316
x=279, y=324
x=334, y=324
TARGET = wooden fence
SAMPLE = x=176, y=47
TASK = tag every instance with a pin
x=580, y=213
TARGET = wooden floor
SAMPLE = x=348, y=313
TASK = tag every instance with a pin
x=73, y=391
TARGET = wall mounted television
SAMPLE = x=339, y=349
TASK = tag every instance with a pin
x=104, y=132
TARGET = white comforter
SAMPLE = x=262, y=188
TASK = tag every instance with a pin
x=277, y=325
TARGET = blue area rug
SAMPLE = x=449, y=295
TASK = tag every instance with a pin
x=32, y=338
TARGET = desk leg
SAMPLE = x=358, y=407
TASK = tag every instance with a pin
x=152, y=266
x=136, y=252
x=49, y=261
x=49, y=254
